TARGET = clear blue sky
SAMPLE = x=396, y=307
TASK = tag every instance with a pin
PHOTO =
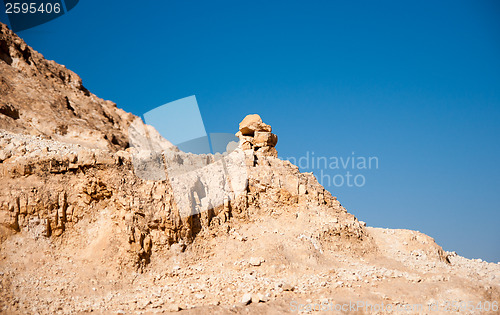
x=416, y=84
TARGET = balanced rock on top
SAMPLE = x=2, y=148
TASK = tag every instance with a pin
x=256, y=135
x=252, y=123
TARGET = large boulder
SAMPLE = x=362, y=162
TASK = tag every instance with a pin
x=253, y=123
x=264, y=139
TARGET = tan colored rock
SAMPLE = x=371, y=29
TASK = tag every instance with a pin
x=268, y=151
x=286, y=286
x=255, y=261
x=9, y=219
x=291, y=184
x=86, y=158
x=252, y=123
x=302, y=189
x=264, y=139
x=4, y=154
x=246, y=145
x=261, y=297
x=104, y=158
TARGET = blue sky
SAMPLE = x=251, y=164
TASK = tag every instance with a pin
x=416, y=84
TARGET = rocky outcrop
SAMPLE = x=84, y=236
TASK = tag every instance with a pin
x=252, y=123
x=256, y=135
x=59, y=185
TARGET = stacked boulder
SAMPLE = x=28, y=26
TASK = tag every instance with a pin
x=256, y=135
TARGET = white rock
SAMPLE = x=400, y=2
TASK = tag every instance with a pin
x=173, y=308
x=246, y=299
x=287, y=287
x=254, y=261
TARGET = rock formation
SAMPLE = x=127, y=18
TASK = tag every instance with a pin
x=257, y=136
x=81, y=232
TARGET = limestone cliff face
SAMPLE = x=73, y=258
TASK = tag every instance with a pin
x=49, y=186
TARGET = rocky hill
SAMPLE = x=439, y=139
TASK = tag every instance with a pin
x=80, y=232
